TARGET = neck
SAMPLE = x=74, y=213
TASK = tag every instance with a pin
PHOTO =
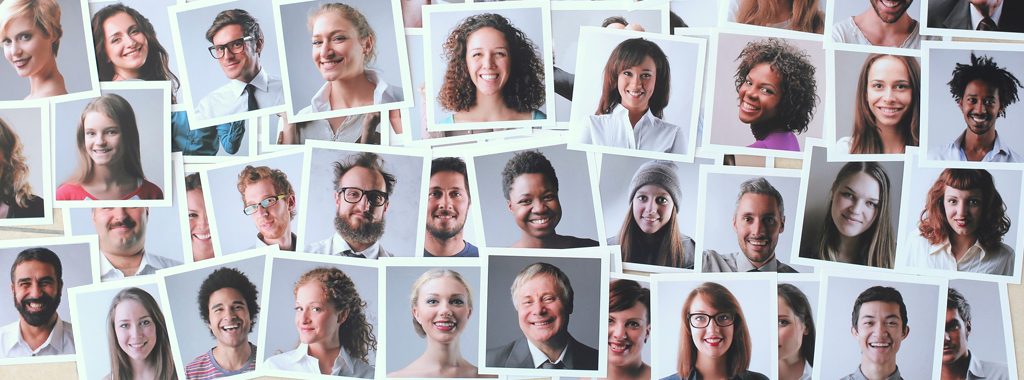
x=892, y=139
x=357, y=246
x=869, y=19
x=249, y=78
x=142, y=370
x=47, y=82
x=109, y=175
x=959, y=244
x=957, y=369
x=285, y=242
x=758, y=265
x=325, y=353
x=127, y=264
x=635, y=115
x=232, y=358
x=527, y=241
x=443, y=354
x=635, y=370
x=877, y=371
x=36, y=335
x=710, y=368
x=553, y=347
x=849, y=250
x=446, y=247
x=124, y=74
x=980, y=143
x=985, y=9
x=791, y=368
x=762, y=130
x=351, y=92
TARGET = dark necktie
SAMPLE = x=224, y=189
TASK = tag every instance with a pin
x=252, y=97
x=753, y=270
x=349, y=253
x=547, y=364
x=987, y=24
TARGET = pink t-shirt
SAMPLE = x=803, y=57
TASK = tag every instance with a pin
x=75, y=192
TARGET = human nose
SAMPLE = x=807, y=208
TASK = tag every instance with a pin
x=616, y=330
x=538, y=207
x=35, y=290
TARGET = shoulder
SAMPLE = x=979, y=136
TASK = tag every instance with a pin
x=674, y=376
x=992, y=370
x=163, y=261
x=576, y=242
x=283, y=360
x=362, y=369
x=751, y=375
x=448, y=120
x=149, y=190
x=844, y=144
x=391, y=93
x=843, y=29
x=497, y=355
x=71, y=192
x=200, y=363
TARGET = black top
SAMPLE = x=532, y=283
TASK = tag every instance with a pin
x=33, y=210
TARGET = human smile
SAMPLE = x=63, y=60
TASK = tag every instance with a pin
x=205, y=236
x=21, y=62
x=636, y=93
x=890, y=111
x=445, y=325
x=891, y=3
x=758, y=241
x=329, y=64
x=714, y=341
x=489, y=77
x=850, y=219
x=745, y=106
x=619, y=347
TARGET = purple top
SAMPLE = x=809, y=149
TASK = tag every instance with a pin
x=781, y=140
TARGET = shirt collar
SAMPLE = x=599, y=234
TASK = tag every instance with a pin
x=342, y=364
x=539, y=357
x=946, y=248
x=894, y=376
x=108, y=269
x=55, y=339
x=261, y=81
x=371, y=252
x=998, y=148
x=622, y=113
x=321, y=101
x=743, y=264
x=976, y=15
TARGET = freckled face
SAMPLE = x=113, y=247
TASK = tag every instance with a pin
x=760, y=95
x=315, y=318
x=855, y=204
x=488, y=61
x=652, y=208
x=636, y=85
x=534, y=205
x=26, y=47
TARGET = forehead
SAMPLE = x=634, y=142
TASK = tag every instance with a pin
x=700, y=303
x=862, y=183
x=981, y=88
x=443, y=285
x=647, y=63
x=764, y=72
x=879, y=309
x=130, y=309
x=363, y=178
x=888, y=67
x=447, y=179
x=651, y=188
x=485, y=37
x=757, y=204
x=96, y=119
x=226, y=295
x=952, y=192
x=311, y=291
x=118, y=19
x=530, y=182
x=538, y=284
x=329, y=21
x=256, y=191
x=136, y=213
x=19, y=23
x=34, y=268
x=227, y=34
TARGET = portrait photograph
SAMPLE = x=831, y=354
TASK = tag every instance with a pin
x=358, y=58
x=766, y=95
x=531, y=177
x=254, y=203
x=42, y=271
x=848, y=211
x=976, y=311
x=798, y=331
x=865, y=22
x=702, y=317
x=961, y=220
x=488, y=66
x=807, y=16
x=26, y=180
x=336, y=170
x=629, y=325
x=541, y=311
x=317, y=300
x=242, y=34
x=963, y=18
x=971, y=104
x=894, y=329
x=59, y=64
x=98, y=145
x=877, y=107
x=634, y=102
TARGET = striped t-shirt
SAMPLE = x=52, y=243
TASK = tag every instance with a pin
x=204, y=367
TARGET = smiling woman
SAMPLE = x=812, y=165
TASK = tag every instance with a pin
x=531, y=190
x=137, y=338
x=887, y=106
x=31, y=31
x=858, y=226
x=777, y=93
x=650, y=233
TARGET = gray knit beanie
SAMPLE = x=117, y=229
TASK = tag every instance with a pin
x=661, y=173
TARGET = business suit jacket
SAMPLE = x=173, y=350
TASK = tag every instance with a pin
x=517, y=355
x=956, y=14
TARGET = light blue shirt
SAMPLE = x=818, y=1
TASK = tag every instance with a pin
x=955, y=152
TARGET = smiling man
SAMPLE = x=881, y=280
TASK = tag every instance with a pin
x=543, y=299
x=885, y=23
x=879, y=321
x=447, y=208
x=958, y=362
x=237, y=43
x=362, y=189
x=983, y=90
x=758, y=222
x=228, y=306
x=122, y=237
x=36, y=285
x=269, y=199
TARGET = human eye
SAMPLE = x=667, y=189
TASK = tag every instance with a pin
x=767, y=91
x=525, y=201
x=951, y=201
x=784, y=322
x=297, y=309
x=193, y=215
x=974, y=202
x=458, y=301
x=846, y=194
x=25, y=37
x=646, y=75
x=548, y=197
x=115, y=40
x=145, y=322
x=339, y=38
x=661, y=200
x=317, y=42
x=237, y=44
x=627, y=73
x=872, y=204
x=435, y=194
x=455, y=194
x=903, y=86
x=876, y=85
x=123, y=325
x=633, y=324
x=699, y=318
x=90, y=133
x=431, y=301
x=316, y=309
x=641, y=197
x=990, y=101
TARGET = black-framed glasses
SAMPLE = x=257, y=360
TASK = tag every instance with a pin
x=702, y=320
x=236, y=46
x=265, y=203
x=376, y=198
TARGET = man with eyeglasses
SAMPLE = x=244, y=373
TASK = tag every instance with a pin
x=122, y=238
x=237, y=43
x=361, y=191
x=269, y=199
x=879, y=325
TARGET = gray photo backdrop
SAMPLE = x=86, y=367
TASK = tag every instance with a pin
x=848, y=65
x=27, y=124
x=404, y=345
x=722, y=193
x=846, y=9
x=841, y=355
x=235, y=230
x=151, y=114
x=156, y=12
x=204, y=72
x=417, y=113
x=616, y=173
x=728, y=129
x=755, y=300
x=279, y=311
x=527, y=20
x=574, y=190
x=987, y=337
x=72, y=57
x=823, y=174
x=565, y=34
x=401, y=218
x=193, y=335
x=303, y=74
x=585, y=278
x=945, y=120
x=77, y=270
x=93, y=306
x=696, y=13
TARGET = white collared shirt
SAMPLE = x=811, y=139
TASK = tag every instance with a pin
x=60, y=342
x=955, y=152
x=336, y=244
x=352, y=127
x=299, y=360
x=539, y=357
x=650, y=132
x=149, y=265
x=977, y=17
x=920, y=253
x=985, y=370
x=231, y=98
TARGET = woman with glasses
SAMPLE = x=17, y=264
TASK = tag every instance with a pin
x=269, y=199
x=31, y=31
x=714, y=342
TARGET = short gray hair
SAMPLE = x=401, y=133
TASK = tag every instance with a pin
x=761, y=186
x=536, y=269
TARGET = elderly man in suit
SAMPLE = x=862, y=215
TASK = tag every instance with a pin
x=994, y=15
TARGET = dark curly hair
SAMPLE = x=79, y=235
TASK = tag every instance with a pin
x=983, y=68
x=798, y=96
x=527, y=162
x=524, y=90
x=355, y=334
x=993, y=223
x=228, y=278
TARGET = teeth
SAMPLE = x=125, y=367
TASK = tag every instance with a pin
x=879, y=345
x=748, y=107
x=758, y=242
x=201, y=236
x=542, y=323
x=890, y=4
x=488, y=76
x=619, y=347
x=539, y=221
x=636, y=93
x=713, y=340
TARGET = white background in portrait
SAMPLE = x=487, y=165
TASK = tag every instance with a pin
x=401, y=218
x=683, y=59
x=72, y=56
x=584, y=276
x=151, y=117
x=987, y=315
x=696, y=13
x=27, y=124
x=403, y=342
x=279, y=311
x=823, y=174
x=193, y=335
x=848, y=65
x=76, y=264
x=156, y=12
x=305, y=80
x=235, y=230
x=417, y=114
x=946, y=119
x=565, y=33
x=755, y=297
x=728, y=129
x=841, y=355
x=574, y=194
x=527, y=20
x=846, y=9
x=93, y=306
